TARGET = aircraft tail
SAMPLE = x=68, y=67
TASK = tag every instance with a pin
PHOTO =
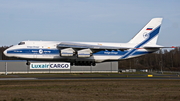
x=149, y=34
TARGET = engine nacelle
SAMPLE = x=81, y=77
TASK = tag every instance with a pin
x=67, y=52
x=84, y=53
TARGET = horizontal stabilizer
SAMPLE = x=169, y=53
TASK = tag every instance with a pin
x=158, y=47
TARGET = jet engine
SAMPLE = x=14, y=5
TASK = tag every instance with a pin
x=67, y=52
x=84, y=53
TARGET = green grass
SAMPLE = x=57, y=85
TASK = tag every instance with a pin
x=90, y=90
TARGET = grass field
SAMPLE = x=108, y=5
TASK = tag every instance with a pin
x=90, y=90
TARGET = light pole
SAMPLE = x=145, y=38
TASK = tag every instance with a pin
x=111, y=67
x=6, y=68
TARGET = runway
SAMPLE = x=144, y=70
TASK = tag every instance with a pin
x=96, y=78
x=90, y=76
x=18, y=79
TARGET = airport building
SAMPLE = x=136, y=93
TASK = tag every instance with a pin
x=19, y=66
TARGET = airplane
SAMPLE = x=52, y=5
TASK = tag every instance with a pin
x=90, y=53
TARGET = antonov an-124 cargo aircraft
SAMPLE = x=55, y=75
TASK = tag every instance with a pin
x=89, y=53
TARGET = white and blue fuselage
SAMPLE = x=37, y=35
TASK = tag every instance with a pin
x=89, y=53
x=47, y=50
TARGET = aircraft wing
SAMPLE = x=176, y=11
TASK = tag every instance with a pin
x=88, y=46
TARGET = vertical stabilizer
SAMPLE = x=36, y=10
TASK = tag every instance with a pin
x=149, y=34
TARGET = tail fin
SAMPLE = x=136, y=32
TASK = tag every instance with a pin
x=149, y=34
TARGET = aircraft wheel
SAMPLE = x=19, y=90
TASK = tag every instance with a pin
x=72, y=63
x=28, y=63
x=93, y=64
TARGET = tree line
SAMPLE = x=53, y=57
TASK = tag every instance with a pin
x=162, y=59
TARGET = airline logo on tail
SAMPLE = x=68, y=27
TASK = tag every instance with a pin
x=146, y=35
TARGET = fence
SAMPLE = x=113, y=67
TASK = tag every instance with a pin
x=19, y=66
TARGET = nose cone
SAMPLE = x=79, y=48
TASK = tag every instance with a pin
x=5, y=52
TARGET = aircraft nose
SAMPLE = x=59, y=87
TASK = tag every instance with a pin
x=5, y=52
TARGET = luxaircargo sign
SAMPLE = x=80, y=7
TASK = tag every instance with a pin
x=50, y=66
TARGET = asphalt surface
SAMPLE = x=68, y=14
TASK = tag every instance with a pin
x=96, y=78
x=90, y=77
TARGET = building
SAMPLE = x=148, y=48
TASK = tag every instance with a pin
x=19, y=66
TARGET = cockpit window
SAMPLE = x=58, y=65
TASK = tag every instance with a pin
x=21, y=43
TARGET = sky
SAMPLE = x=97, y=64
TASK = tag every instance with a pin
x=86, y=20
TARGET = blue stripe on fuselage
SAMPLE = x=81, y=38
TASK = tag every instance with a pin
x=33, y=51
x=121, y=53
x=56, y=51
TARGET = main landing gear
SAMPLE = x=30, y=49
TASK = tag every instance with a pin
x=83, y=63
x=28, y=63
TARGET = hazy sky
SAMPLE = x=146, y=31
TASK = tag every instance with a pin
x=86, y=20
